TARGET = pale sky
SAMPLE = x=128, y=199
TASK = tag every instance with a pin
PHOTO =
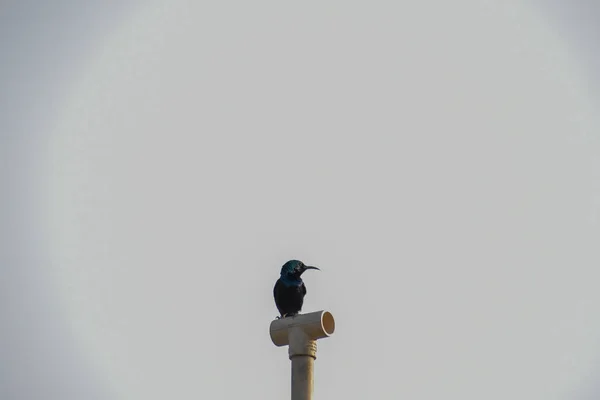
x=438, y=161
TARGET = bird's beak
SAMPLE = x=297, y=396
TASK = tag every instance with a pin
x=308, y=267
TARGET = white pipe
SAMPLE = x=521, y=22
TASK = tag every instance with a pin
x=301, y=333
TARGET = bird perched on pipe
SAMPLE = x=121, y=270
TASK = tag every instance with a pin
x=289, y=290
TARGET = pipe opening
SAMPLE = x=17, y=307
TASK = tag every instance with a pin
x=328, y=323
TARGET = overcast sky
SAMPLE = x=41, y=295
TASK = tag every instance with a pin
x=438, y=162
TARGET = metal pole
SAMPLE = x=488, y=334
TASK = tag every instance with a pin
x=301, y=333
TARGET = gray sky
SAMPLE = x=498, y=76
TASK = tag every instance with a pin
x=438, y=162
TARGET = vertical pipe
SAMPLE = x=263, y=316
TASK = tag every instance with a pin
x=302, y=377
x=302, y=352
x=300, y=333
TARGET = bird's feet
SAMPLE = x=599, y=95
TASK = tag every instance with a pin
x=286, y=315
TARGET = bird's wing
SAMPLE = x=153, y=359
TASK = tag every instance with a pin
x=276, y=294
x=276, y=288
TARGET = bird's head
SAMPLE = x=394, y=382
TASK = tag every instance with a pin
x=293, y=270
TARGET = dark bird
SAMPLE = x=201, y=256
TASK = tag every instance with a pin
x=289, y=290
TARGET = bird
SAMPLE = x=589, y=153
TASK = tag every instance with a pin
x=289, y=290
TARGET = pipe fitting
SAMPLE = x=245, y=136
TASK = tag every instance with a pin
x=315, y=325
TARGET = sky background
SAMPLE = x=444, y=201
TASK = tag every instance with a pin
x=438, y=162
